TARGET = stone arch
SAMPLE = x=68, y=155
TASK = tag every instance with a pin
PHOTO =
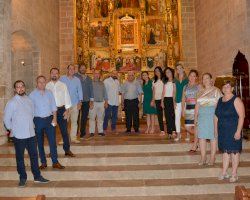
x=25, y=58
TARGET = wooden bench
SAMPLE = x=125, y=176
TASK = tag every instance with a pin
x=242, y=193
x=38, y=197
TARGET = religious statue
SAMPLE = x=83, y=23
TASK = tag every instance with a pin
x=79, y=54
x=151, y=37
x=162, y=58
x=104, y=8
x=176, y=49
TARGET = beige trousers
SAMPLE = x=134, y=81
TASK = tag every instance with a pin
x=73, y=120
x=96, y=112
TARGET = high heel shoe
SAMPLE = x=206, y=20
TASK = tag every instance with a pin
x=233, y=179
x=194, y=150
x=202, y=163
x=223, y=177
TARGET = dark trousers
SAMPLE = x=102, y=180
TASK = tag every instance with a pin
x=63, y=125
x=132, y=114
x=84, y=117
x=31, y=146
x=169, y=114
x=110, y=113
x=43, y=125
x=159, y=114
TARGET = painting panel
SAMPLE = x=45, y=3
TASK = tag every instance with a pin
x=156, y=32
x=98, y=8
x=98, y=35
x=100, y=61
x=130, y=63
x=126, y=4
x=155, y=7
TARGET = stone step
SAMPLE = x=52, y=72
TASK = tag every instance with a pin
x=64, y=175
x=117, y=192
x=173, y=197
x=109, y=161
x=144, y=148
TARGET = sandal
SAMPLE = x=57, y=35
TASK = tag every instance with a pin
x=233, y=179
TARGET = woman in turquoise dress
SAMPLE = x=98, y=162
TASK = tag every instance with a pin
x=148, y=108
x=207, y=100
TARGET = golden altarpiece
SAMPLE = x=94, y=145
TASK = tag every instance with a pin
x=127, y=34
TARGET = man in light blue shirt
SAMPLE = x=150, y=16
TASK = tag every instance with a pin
x=131, y=97
x=45, y=121
x=18, y=118
x=75, y=91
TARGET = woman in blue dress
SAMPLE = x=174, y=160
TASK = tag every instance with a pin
x=207, y=100
x=229, y=119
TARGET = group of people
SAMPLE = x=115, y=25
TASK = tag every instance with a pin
x=208, y=114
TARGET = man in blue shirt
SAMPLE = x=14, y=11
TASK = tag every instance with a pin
x=75, y=91
x=45, y=121
x=18, y=118
x=88, y=97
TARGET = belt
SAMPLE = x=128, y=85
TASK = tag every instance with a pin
x=45, y=117
x=60, y=107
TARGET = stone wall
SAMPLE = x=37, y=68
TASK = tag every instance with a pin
x=188, y=34
x=221, y=29
x=39, y=20
x=66, y=33
x=5, y=59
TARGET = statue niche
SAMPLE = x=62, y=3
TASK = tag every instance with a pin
x=127, y=4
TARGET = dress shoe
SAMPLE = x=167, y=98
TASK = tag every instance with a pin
x=43, y=166
x=41, y=180
x=101, y=134
x=70, y=154
x=57, y=166
x=22, y=183
x=91, y=134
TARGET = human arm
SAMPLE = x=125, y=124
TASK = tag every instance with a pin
x=91, y=102
x=174, y=95
x=183, y=103
x=8, y=114
x=239, y=106
x=162, y=97
x=80, y=94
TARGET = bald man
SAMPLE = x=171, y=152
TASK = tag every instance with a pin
x=131, y=97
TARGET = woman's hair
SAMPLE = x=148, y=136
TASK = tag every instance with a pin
x=208, y=74
x=161, y=73
x=193, y=71
x=165, y=78
x=143, y=81
x=177, y=75
x=229, y=82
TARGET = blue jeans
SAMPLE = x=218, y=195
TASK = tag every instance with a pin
x=110, y=113
x=63, y=125
x=31, y=146
x=44, y=125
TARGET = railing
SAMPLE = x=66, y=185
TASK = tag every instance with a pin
x=38, y=197
x=242, y=193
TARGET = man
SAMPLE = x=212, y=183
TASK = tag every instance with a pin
x=100, y=103
x=45, y=121
x=131, y=97
x=18, y=118
x=112, y=86
x=87, y=102
x=63, y=103
x=75, y=91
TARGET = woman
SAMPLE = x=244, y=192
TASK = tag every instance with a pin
x=168, y=101
x=181, y=81
x=229, y=119
x=149, y=110
x=190, y=92
x=157, y=95
x=204, y=117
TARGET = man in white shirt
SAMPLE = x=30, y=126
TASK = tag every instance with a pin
x=113, y=89
x=63, y=103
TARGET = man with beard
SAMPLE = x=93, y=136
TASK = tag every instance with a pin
x=112, y=86
x=45, y=121
x=63, y=103
x=18, y=118
x=88, y=97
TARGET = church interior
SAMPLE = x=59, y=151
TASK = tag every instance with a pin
x=124, y=35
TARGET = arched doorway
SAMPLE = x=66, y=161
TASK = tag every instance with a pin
x=241, y=72
x=25, y=58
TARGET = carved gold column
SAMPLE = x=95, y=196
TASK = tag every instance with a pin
x=173, y=32
x=111, y=34
x=143, y=35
